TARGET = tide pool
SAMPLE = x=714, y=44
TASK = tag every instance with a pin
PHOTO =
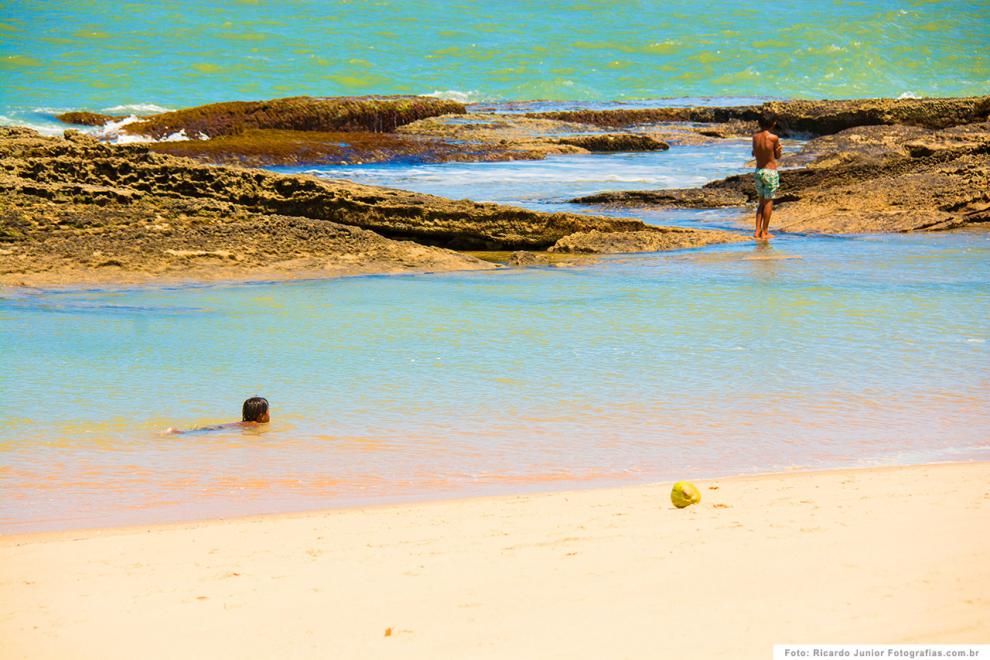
x=557, y=179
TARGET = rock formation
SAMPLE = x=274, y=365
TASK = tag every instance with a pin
x=799, y=117
x=301, y=113
x=875, y=178
x=75, y=209
x=86, y=118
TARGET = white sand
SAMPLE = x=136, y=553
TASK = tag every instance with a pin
x=882, y=556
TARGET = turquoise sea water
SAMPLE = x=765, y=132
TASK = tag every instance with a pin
x=814, y=352
x=124, y=56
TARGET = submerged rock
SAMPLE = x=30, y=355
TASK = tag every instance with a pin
x=523, y=258
x=699, y=198
x=652, y=239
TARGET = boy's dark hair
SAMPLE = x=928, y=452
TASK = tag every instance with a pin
x=767, y=120
x=254, y=408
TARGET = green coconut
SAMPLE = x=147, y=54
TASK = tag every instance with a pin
x=685, y=494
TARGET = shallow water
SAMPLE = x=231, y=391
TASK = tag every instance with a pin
x=814, y=352
x=556, y=179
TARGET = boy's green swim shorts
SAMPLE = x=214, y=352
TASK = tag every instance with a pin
x=767, y=183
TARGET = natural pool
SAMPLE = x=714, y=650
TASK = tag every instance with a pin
x=813, y=352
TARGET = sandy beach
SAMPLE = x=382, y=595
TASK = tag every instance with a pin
x=494, y=275
x=886, y=555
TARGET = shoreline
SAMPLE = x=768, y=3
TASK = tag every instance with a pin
x=539, y=489
x=881, y=555
x=82, y=284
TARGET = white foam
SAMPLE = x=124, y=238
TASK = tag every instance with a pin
x=46, y=110
x=51, y=130
x=111, y=131
x=178, y=136
x=138, y=109
x=908, y=95
x=456, y=95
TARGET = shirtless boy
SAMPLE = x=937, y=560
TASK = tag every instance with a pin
x=766, y=149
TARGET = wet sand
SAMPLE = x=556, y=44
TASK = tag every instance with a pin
x=886, y=555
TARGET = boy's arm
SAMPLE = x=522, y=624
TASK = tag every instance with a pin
x=778, y=149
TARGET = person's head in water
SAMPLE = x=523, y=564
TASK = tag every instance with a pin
x=767, y=121
x=255, y=409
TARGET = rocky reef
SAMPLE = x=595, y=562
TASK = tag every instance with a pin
x=799, y=117
x=78, y=118
x=345, y=130
x=379, y=114
x=268, y=147
x=924, y=174
x=77, y=210
x=445, y=138
x=354, y=130
x=615, y=142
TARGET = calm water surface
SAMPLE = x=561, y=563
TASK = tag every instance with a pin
x=816, y=351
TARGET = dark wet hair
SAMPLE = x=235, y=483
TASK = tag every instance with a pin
x=254, y=408
x=767, y=120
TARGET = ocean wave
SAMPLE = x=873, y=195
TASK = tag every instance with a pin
x=138, y=109
x=50, y=130
x=47, y=110
x=111, y=132
x=908, y=95
x=472, y=96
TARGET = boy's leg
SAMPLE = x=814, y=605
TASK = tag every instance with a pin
x=767, y=212
x=759, y=218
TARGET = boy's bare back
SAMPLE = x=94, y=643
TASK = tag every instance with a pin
x=766, y=149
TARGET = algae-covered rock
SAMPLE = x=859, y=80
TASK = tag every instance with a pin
x=80, y=118
x=809, y=117
x=266, y=147
x=615, y=142
x=624, y=117
x=301, y=113
x=826, y=117
x=651, y=239
x=698, y=198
